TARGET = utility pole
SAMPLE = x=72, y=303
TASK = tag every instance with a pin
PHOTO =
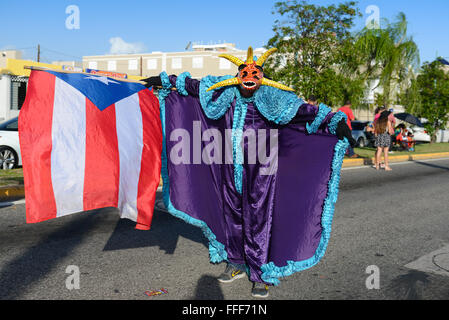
x=38, y=53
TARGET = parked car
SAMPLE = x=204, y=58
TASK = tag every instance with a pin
x=359, y=134
x=10, y=156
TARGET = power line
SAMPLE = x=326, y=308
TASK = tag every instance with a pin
x=62, y=53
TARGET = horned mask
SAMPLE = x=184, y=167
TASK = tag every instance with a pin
x=250, y=76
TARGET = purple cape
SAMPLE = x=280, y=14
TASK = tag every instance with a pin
x=275, y=218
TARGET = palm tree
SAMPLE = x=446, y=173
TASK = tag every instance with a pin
x=390, y=55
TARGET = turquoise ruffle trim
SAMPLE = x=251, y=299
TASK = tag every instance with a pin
x=335, y=120
x=166, y=84
x=277, y=105
x=241, y=108
x=323, y=111
x=217, y=250
x=216, y=109
x=270, y=272
x=181, y=83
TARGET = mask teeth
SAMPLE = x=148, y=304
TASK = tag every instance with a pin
x=270, y=83
x=265, y=56
x=226, y=83
x=250, y=56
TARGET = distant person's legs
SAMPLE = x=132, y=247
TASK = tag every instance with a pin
x=392, y=140
x=378, y=157
x=387, y=167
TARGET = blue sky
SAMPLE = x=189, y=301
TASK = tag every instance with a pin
x=170, y=25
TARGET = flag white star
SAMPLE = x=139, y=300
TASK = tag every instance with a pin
x=104, y=80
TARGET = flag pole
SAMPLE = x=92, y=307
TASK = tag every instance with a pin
x=88, y=74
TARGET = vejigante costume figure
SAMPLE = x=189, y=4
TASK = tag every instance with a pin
x=252, y=165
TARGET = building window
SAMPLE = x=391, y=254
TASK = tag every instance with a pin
x=132, y=64
x=93, y=65
x=18, y=93
x=197, y=63
x=176, y=63
x=152, y=64
x=225, y=64
x=112, y=65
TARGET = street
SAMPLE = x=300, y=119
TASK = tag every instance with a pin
x=389, y=220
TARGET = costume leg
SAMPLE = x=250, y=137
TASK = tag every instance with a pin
x=232, y=211
x=258, y=200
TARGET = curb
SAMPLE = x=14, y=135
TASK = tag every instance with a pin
x=348, y=163
x=11, y=193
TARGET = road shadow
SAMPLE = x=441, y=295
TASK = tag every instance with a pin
x=409, y=286
x=208, y=288
x=39, y=260
x=165, y=232
x=432, y=165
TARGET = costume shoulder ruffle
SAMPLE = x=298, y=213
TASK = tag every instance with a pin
x=275, y=105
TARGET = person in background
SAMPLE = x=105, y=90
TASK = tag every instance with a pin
x=378, y=112
x=312, y=100
x=392, y=120
x=346, y=109
x=382, y=143
x=411, y=141
x=399, y=136
x=369, y=131
x=370, y=126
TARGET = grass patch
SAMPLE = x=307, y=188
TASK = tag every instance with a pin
x=11, y=177
x=420, y=149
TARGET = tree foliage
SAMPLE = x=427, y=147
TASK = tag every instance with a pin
x=319, y=55
x=315, y=51
x=390, y=55
x=431, y=89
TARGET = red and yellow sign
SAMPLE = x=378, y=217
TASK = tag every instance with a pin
x=108, y=73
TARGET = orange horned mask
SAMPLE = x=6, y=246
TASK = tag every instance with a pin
x=250, y=76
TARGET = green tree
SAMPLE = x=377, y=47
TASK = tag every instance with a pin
x=316, y=53
x=432, y=86
x=390, y=55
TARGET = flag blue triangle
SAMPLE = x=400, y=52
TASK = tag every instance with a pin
x=100, y=90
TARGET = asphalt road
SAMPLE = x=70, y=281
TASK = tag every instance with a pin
x=382, y=219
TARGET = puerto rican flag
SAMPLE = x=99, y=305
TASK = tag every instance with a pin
x=89, y=142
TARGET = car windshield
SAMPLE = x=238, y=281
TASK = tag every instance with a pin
x=10, y=125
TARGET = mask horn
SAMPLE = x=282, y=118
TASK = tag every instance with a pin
x=233, y=59
x=226, y=83
x=265, y=56
x=274, y=84
x=250, y=56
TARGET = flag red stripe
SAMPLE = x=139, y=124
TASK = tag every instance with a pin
x=35, y=123
x=102, y=166
x=151, y=159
